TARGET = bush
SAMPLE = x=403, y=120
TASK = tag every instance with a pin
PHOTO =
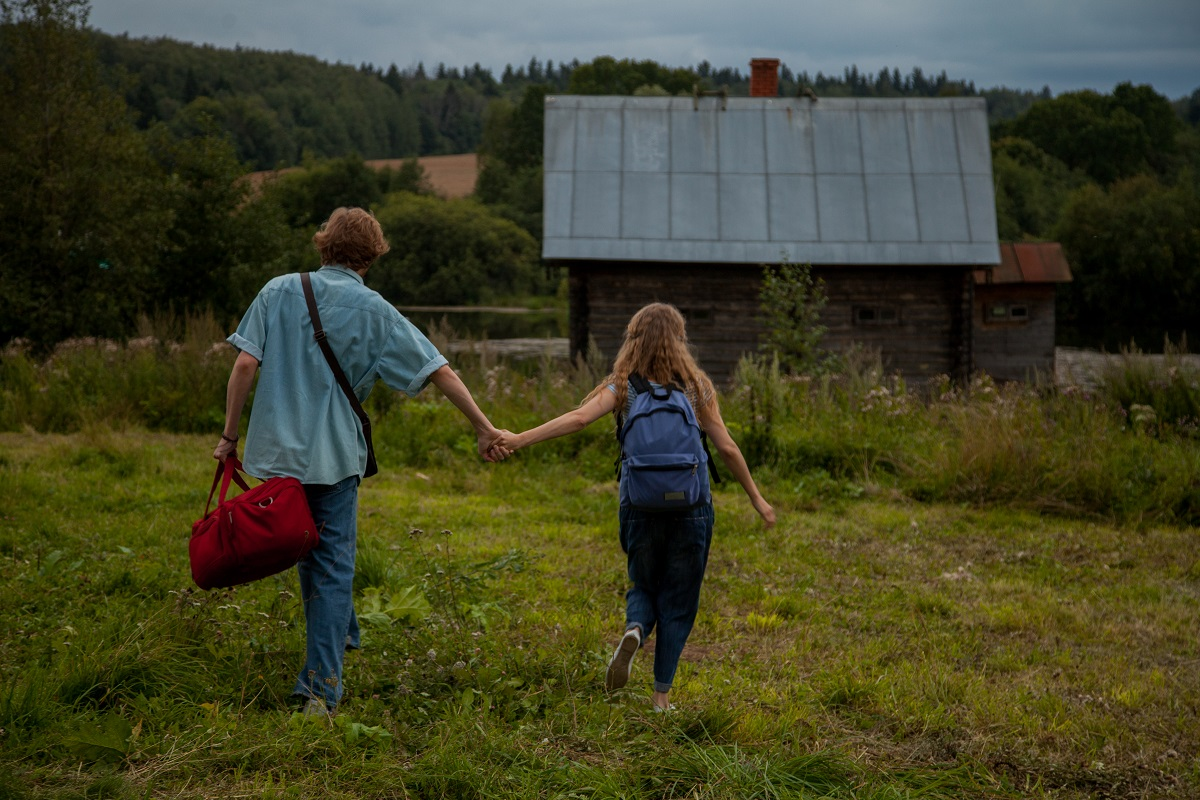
x=453, y=252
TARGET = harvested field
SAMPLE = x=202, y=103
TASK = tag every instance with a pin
x=451, y=176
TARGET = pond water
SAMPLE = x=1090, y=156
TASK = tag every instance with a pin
x=517, y=333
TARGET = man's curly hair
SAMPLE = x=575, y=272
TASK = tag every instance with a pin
x=351, y=238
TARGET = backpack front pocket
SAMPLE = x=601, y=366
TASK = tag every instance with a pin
x=658, y=482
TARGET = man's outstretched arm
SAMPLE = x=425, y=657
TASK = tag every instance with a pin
x=448, y=382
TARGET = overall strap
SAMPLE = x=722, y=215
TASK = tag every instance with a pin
x=327, y=351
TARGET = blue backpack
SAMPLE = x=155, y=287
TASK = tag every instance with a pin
x=664, y=462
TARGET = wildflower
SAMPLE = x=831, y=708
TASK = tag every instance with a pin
x=1143, y=415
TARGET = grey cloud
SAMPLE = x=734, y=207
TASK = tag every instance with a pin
x=1066, y=44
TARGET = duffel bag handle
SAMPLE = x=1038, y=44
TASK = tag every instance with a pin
x=229, y=471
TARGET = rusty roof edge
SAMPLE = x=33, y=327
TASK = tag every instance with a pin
x=1028, y=262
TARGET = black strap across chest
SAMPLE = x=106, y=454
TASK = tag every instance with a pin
x=347, y=389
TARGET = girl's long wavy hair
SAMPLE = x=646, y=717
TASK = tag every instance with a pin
x=656, y=347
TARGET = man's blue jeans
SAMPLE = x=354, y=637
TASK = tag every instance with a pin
x=327, y=589
x=667, y=553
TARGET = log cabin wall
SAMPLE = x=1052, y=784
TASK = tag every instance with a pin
x=1014, y=330
x=916, y=317
x=720, y=303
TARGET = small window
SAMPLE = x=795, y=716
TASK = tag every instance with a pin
x=1006, y=312
x=876, y=315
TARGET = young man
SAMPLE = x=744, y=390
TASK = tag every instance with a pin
x=302, y=425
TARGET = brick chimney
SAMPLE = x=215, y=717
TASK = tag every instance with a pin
x=764, y=77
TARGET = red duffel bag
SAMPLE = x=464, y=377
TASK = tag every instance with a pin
x=260, y=532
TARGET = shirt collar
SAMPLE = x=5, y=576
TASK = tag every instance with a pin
x=338, y=268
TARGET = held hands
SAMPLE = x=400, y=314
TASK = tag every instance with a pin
x=506, y=442
x=490, y=445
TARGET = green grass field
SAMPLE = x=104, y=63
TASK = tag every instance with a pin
x=870, y=646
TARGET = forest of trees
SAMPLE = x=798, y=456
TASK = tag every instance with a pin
x=282, y=107
x=122, y=165
x=1116, y=179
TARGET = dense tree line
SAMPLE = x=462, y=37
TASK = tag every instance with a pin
x=106, y=216
x=97, y=218
x=122, y=165
x=281, y=107
x=1115, y=178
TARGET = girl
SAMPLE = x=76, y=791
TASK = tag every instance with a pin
x=667, y=551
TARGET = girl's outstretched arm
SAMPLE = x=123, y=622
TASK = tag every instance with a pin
x=735, y=462
x=574, y=420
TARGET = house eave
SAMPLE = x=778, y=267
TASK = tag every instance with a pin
x=980, y=254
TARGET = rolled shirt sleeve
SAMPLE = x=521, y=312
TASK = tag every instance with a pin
x=251, y=334
x=409, y=359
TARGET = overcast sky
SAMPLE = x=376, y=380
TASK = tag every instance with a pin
x=1022, y=44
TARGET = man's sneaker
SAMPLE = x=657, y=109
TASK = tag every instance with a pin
x=316, y=708
x=621, y=665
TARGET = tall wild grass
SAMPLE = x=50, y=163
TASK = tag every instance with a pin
x=170, y=377
x=1128, y=449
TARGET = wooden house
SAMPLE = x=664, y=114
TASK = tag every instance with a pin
x=683, y=200
x=1014, y=311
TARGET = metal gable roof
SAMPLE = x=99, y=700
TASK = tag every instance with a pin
x=751, y=180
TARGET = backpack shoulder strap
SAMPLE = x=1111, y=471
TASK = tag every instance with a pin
x=712, y=465
x=640, y=384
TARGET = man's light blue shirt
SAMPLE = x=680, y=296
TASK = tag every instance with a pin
x=302, y=425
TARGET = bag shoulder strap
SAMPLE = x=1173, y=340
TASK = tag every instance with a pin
x=327, y=351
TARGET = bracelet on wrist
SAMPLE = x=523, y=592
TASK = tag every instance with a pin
x=231, y=441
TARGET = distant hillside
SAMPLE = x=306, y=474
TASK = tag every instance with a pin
x=279, y=107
